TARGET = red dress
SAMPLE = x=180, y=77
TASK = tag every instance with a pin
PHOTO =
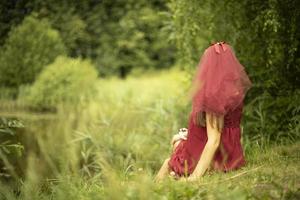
x=229, y=155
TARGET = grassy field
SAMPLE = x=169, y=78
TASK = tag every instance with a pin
x=112, y=146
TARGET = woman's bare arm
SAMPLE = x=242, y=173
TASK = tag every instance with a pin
x=214, y=137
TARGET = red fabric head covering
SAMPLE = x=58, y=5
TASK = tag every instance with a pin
x=220, y=83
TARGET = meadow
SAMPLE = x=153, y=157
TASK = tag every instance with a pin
x=111, y=146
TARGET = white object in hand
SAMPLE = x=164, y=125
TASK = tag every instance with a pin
x=183, y=132
x=181, y=135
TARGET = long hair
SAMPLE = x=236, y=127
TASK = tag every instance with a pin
x=215, y=121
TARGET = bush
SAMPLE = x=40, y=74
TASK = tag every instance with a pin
x=268, y=119
x=67, y=80
x=28, y=48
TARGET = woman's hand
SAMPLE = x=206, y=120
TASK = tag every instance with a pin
x=175, y=139
x=181, y=135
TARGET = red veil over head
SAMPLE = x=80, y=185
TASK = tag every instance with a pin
x=220, y=83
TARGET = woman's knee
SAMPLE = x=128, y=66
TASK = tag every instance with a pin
x=166, y=161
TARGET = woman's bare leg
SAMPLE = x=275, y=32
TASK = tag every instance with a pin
x=163, y=172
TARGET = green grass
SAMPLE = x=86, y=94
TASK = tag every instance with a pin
x=111, y=148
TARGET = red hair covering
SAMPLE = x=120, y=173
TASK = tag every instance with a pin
x=220, y=83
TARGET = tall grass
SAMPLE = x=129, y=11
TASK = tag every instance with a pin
x=111, y=148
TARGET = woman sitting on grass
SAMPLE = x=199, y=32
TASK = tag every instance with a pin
x=213, y=134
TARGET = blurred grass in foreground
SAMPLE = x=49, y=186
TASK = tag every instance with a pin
x=111, y=148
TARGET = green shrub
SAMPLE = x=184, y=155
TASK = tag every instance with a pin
x=67, y=80
x=268, y=119
x=28, y=48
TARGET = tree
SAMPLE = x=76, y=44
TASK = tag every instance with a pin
x=117, y=35
x=29, y=47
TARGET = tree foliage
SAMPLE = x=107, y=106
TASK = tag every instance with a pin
x=66, y=80
x=29, y=47
x=117, y=35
